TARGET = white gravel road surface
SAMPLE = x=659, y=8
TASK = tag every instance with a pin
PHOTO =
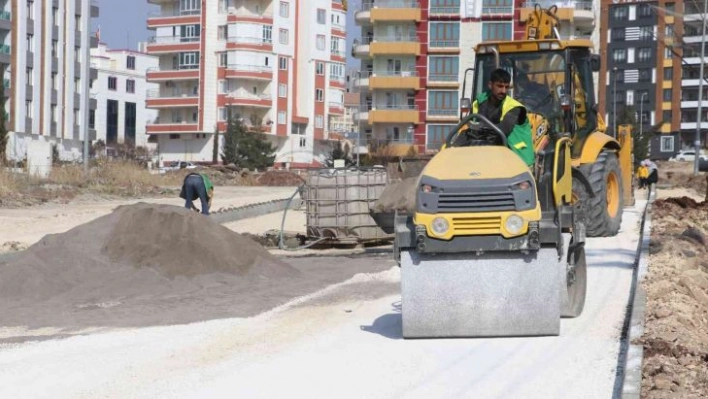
x=343, y=342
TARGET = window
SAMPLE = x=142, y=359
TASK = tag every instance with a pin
x=443, y=103
x=268, y=34
x=445, y=34
x=130, y=86
x=77, y=54
x=130, y=61
x=92, y=119
x=319, y=121
x=667, y=116
x=30, y=9
x=436, y=136
x=284, y=9
x=222, y=114
x=54, y=48
x=112, y=83
x=321, y=16
x=77, y=117
x=646, y=33
x=644, y=54
x=30, y=43
x=668, y=73
x=617, y=34
x=29, y=77
x=187, y=6
x=111, y=121
x=669, y=31
x=303, y=142
x=28, y=108
x=282, y=90
x=222, y=32
x=281, y=117
x=223, y=59
x=644, y=10
x=668, y=52
x=496, y=31
x=77, y=23
x=619, y=55
x=190, y=33
x=55, y=16
x=667, y=144
x=54, y=80
x=320, y=43
x=53, y=113
x=319, y=95
x=284, y=36
x=129, y=121
x=319, y=69
x=282, y=63
x=188, y=60
x=453, y=6
x=645, y=75
x=444, y=69
x=620, y=13
x=77, y=85
x=667, y=95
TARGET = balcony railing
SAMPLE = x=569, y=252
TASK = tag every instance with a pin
x=379, y=38
x=185, y=67
x=443, y=77
x=338, y=26
x=246, y=95
x=337, y=78
x=173, y=13
x=249, y=68
x=445, y=10
x=389, y=107
x=6, y=15
x=337, y=53
x=368, y=5
x=172, y=39
x=443, y=112
x=250, y=40
x=445, y=43
x=157, y=93
x=497, y=10
x=400, y=74
x=578, y=5
x=243, y=13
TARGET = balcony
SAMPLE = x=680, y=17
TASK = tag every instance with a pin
x=93, y=8
x=389, y=11
x=244, y=98
x=249, y=43
x=338, y=55
x=448, y=10
x=253, y=72
x=243, y=15
x=387, y=45
x=5, y=20
x=579, y=13
x=337, y=82
x=394, y=113
x=174, y=127
x=451, y=115
x=157, y=98
x=172, y=44
x=336, y=108
x=361, y=48
x=394, y=80
x=181, y=72
x=170, y=17
x=5, y=51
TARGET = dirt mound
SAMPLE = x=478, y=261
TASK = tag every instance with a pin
x=399, y=195
x=280, y=179
x=675, y=338
x=137, y=252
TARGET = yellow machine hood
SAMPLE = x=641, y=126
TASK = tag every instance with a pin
x=483, y=162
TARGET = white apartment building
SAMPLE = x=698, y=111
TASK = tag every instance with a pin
x=279, y=66
x=44, y=46
x=120, y=92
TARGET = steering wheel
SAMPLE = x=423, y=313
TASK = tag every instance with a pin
x=489, y=126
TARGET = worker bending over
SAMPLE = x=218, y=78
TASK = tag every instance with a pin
x=197, y=185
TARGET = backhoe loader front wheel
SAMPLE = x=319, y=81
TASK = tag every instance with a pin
x=604, y=210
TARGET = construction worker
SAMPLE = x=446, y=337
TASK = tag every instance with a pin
x=197, y=185
x=642, y=174
x=508, y=114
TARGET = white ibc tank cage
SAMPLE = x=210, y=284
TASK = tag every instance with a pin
x=338, y=202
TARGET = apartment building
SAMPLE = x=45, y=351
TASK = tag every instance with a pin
x=653, y=53
x=415, y=54
x=44, y=49
x=279, y=66
x=121, y=91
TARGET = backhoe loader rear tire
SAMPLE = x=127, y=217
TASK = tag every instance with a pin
x=604, y=210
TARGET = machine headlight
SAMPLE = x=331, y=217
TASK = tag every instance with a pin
x=440, y=226
x=514, y=224
x=524, y=185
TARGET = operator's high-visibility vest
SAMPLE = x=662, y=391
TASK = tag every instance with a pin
x=520, y=140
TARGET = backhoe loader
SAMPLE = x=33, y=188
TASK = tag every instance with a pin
x=493, y=247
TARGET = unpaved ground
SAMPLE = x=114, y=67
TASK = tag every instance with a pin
x=25, y=226
x=675, y=338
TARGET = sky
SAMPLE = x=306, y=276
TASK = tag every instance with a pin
x=123, y=24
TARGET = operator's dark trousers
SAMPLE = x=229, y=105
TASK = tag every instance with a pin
x=193, y=188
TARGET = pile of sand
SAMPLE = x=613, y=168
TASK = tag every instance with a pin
x=675, y=339
x=398, y=195
x=143, y=253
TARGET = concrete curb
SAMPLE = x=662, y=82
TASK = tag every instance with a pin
x=632, y=381
x=254, y=210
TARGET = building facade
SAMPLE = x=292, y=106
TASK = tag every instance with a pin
x=279, y=66
x=44, y=51
x=653, y=52
x=415, y=54
x=121, y=91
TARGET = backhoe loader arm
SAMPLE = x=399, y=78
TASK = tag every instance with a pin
x=542, y=23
